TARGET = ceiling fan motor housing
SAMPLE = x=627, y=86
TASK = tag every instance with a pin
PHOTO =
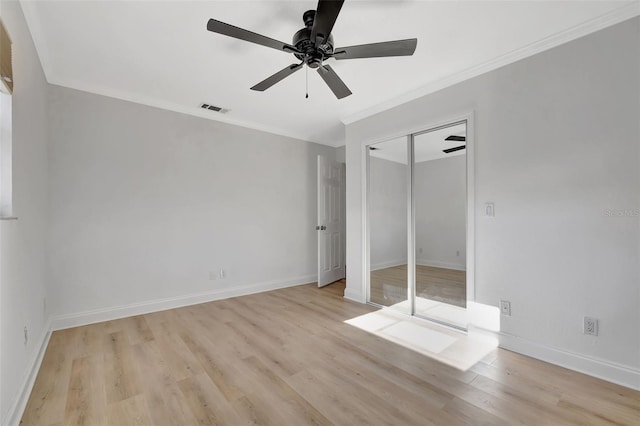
x=309, y=53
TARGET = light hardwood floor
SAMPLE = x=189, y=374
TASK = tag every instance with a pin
x=389, y=285
x=286, y=357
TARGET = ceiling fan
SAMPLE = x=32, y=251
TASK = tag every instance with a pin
x=314, y=44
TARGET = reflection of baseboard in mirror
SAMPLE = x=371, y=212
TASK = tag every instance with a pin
x=388, y=264
x=441, y=264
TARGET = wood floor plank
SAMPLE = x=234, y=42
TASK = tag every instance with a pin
x=78, y=410
x=565, y=382
x=529, y=410
x=47, y=402
x=208, y=404
x=138, y=330
x=131, y=412
x=470, y=414
x=375, y=406
x=122, y=377
x=216, y=369
x=256, y=414
x=330, y=400
x=304, y=411
x=178, y=357
x=165, y=402
x=287, y=357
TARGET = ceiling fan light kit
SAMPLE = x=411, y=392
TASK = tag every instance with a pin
x=313, y=45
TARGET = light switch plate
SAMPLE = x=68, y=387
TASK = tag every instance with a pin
x=489, y=210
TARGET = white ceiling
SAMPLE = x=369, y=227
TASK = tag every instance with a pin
x=427, y=146
x=159, y=53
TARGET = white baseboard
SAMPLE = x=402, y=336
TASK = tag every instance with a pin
x=388, y=264
x=623, y=375
x=16, y=409
x=439, y=264
x=116, y=312
x=353, y=296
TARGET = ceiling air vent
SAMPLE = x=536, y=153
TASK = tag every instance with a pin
x=211, y=107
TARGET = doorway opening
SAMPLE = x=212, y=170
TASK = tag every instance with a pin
x=331, y=225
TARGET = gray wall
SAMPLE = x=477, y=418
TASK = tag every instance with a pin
x=340, y=152
x=22, y=242
x=556, y=149
x=145, y=203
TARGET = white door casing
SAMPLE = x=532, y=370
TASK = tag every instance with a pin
x=331, y=219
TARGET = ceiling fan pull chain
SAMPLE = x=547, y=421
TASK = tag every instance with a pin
x=306, y=73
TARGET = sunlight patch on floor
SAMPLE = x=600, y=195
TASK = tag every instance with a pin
x=438, y=311
x=423, y=338
x=454, y=348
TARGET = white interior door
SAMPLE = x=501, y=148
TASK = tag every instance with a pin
x=331, y=221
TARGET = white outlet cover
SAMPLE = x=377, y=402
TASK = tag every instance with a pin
x=505, y=308
x=590, y=326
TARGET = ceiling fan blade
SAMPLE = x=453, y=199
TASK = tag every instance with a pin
x=326, y=15
x=454, y=149
x=246, y=35
x=377, y=50
x=336, y=85
x=275, y=78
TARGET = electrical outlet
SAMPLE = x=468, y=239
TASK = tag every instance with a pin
x=222, y=273
x=458, y=253
x=590, y=326
x=505, y=308
x=26, y=334
x=420, y=250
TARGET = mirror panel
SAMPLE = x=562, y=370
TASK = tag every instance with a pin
x=387, y=221
x=440, y=196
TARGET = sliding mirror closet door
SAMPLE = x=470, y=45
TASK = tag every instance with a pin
x=387, y=222
x=440, y=198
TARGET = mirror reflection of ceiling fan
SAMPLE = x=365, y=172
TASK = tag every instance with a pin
x=313, y=45
x=455, y=138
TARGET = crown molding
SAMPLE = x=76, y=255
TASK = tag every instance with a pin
x=195, y=111
x=34, y=25
x=628, y=11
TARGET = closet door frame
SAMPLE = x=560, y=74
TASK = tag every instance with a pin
x=410, y=133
